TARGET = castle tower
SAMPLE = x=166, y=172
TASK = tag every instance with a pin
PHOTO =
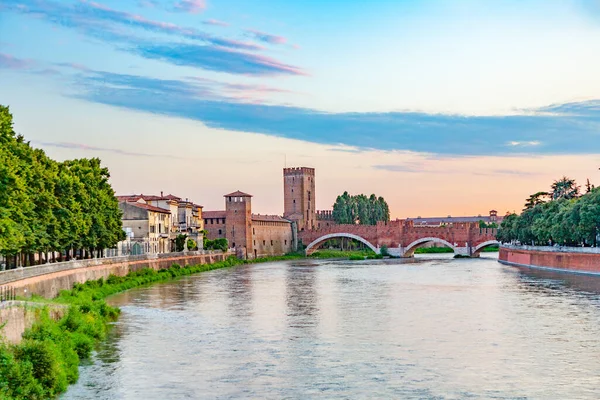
x=238, y=222
x=299, y=196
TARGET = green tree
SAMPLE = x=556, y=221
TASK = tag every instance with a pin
x=360, y=209
x=536, y=199
x=564, y=188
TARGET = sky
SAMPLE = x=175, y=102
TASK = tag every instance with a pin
x=441, y=107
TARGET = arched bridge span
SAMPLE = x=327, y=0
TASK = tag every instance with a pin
x=409, y=251
x=314, y=245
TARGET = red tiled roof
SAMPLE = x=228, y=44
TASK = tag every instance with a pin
x=214, y=214
x=147, y=197
x=237, y=193
x=129, y=197
x=148, y=207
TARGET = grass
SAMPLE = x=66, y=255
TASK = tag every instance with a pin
x=346, y=254
x=440, y=250
x=47, y=359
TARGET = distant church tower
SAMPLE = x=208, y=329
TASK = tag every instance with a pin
x=238, y=222
x=299, y=196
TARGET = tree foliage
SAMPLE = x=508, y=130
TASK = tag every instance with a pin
x=48, y=206
x=360, y=209
x=568, y=219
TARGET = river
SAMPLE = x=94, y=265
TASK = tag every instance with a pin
x=429, y=328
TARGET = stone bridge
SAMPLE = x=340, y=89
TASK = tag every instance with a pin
x=402, y=237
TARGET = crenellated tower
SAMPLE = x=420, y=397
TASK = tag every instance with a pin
x=238, y=221
x=299, y=197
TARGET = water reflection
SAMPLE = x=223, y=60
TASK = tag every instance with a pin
x=301, y=295
x=428, y=328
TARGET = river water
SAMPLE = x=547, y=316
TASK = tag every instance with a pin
x=429, y=328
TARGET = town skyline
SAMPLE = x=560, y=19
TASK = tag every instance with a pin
x=475, y=103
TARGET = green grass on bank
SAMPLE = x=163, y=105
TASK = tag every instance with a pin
x=440, y=250
x=47, y=359
x=346, y=254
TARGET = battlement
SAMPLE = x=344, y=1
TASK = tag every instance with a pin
x=325, y=215
x=298, y=171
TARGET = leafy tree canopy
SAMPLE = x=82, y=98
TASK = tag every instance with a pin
x=360, y=209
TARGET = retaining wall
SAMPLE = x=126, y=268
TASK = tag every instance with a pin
x=583, y=260
x=49, y=279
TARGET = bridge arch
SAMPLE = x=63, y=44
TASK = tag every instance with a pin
x=311, y=248
x=479, y=247
x=410, y=249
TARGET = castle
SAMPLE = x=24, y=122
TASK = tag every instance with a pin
x=255, y=235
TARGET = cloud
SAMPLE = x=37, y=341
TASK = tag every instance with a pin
x=407, y=167
x=215, y=59
x=516, y=143
x=8, y=61
x=190, y=6
x=103, y=22
x=113, y=26
x=215, y=22
x=439, y=134
x=84, y=147
x=266, y=37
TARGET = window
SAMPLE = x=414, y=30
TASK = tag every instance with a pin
x=253, y=231
x=255, y=242
x=264, y=242
x=294, y=201
x=271, y=243
x=220, y=232
x=285, y=241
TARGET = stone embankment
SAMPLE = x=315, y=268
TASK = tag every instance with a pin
x=49, y=279
x=581, y=260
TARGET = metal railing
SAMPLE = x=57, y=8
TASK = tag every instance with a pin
x=7, y=293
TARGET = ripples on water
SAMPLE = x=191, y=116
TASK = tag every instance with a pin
x=433, y=328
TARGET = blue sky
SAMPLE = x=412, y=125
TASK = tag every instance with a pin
x=397, y=86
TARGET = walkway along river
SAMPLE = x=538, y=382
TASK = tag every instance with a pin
x=431, y=327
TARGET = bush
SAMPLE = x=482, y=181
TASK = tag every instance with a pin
x=45, y=358
x=384, y=251
x=191, y=245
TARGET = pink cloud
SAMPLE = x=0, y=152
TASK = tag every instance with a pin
x=266, y=37
x=10, y=62
x=215, y=22
x=191, y=6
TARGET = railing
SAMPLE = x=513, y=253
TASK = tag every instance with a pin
x=16, y=274
x=7, y=293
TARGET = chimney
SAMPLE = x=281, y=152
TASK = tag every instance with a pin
x=161, y=193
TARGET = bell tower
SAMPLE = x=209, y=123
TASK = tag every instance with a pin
x=299, y=196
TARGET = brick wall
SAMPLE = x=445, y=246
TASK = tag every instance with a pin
x=271, y=238
x=575, y=260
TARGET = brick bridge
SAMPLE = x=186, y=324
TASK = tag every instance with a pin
x=402, y=238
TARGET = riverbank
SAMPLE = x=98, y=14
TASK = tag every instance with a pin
x=579, y=260
x=442, y=250
x=47, y=359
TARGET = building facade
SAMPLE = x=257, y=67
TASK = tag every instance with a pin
x=148, y=227
x=251, y=235
x=184, y=217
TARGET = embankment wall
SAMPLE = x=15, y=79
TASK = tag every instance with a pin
x=48, y=280
x=583, y=260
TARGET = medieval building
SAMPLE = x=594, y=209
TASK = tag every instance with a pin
x=251, y=235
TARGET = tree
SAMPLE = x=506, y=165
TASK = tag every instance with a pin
x=360, y=209
x=588, y=186
x=536, y=199
x=564, y=188
x=47, y=206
